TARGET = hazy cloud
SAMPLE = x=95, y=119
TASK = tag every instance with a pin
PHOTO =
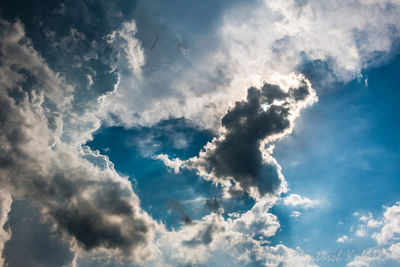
x=296, y=200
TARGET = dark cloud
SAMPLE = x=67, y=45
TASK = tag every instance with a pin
x=32, y=239
x=205, y=236
x=70, y=35
x=90, y=207
x=236, y=154
x=5, y=232
x=175, y=205
x=93, y=207
x=213, y=204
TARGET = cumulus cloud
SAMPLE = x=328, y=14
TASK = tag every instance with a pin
x=132, y=50
x=45, y=117
x=19, y=55
x=5, y=234
x=391, y=225
x=213, y=204
x=34, y=239
x=91, y=206
x=296, y=200
x=343, y=239
x=237, y=158
x=216, y=241
x=272, y=36
x=387, y=238
x=174, y=164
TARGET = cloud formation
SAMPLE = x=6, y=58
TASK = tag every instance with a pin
x=387, y=237
x=272, y=36
x=296, y=200
x=49, y=107
x=91, y=206
x=237, y=158
x=5, y=234
x=216, y=241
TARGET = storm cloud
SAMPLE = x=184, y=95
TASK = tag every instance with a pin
x=237, y=158
x=77, y=191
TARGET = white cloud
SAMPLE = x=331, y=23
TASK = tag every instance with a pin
x=387, y=237
x=19, y=54
x=343, y=239
x=295, y=214
x=296, y=200
x=391, y=225
x=219, y=242
x=252, y=42
x=125, y=39
x=374, y=223
x=361, y=231
x=72, y=186
x=174, y=164
x=271, y=39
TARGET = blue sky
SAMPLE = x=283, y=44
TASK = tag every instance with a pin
x=343, y=152
x=199, y=133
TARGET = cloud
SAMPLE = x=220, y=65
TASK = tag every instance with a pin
x=50, y=107
x=34, y=239
x=243, y=45
x=237, y=158
x=295, y=214
x=296, y=200
x=174, y=164
x=241, y=239
x=387, y=238
x=5, y=234
x=343, y=239
x=91, y=206
x=391, y=225
x=361, y=231
x=132, y=49
x=18, y=55
x=175, y=205
x=213, y=204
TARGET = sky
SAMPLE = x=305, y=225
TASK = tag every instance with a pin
x=199, y=133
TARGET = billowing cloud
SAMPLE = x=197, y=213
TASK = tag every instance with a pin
x=242, y=46
x=237, y=158
x=391, y=225
x=91, y=206
x=387, y=238
x=5, y=234
x=216, y=241
x=57, y=89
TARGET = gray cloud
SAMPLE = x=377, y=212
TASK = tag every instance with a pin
x=213, y=204
x=33, y=239
x=175, y=205
x=216, y=241
x=5, y=234
x=204, y=236
x=238, y=154
x=90, y=206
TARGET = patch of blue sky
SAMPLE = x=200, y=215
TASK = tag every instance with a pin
x=159, y=188
x=345, y=152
